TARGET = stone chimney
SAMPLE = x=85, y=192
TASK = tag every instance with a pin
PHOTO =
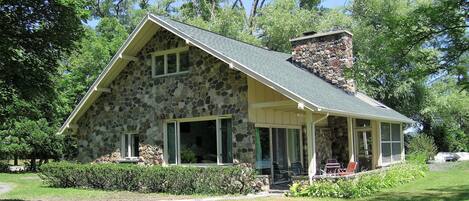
x=326, y=55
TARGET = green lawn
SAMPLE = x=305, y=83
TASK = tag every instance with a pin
x=451, y=184
x=29, y=186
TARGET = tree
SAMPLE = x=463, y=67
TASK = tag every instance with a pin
x=446, y=115
x=33, y=140
x=227, y=22
x=119, y=9
x=85, y=64
x=35, y=35
x=310, y=4
x=399, y=44
x=282, y=20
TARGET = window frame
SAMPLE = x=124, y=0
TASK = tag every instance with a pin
x=130, y=147
x=391, y=142
x=178, y=140
x=165, y=54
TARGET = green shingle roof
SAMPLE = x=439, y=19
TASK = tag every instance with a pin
x=275, y=67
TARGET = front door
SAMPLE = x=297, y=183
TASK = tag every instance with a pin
x=364, y=142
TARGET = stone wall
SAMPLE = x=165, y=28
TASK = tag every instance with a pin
x=339, y=130
x=326, y=55
x=332, y=141
x=139, y=104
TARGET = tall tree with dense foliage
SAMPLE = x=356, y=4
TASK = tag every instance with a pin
x=35, y=37
x=400, y=44
x=84, y=64
x=446, y=115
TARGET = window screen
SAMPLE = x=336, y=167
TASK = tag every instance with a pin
x=391, y=144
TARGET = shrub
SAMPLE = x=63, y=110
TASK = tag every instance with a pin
x=174, y=179
x=361, y=186
x=422, y=147
x=4, y=167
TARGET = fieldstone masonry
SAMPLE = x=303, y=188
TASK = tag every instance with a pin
x=326, y=55
x=139, y=103
x=332, y=141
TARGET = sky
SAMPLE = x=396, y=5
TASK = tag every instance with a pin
x=325, y=3
x=333, y=3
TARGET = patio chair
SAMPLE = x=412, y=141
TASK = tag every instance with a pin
x=331, y=167
x=351, y=168
x=296, y=168
x=280, y=174
x=331, y=161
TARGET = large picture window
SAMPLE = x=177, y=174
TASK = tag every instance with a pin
x=391, y=144
x=129, y=146
x=170, y=62
x=199, y=142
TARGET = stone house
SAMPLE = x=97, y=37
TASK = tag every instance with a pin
x=175, y=94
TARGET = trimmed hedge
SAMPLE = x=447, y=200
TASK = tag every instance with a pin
x=362, y=185
x=173, y=179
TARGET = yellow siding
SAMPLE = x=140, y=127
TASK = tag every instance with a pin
x=259, y=93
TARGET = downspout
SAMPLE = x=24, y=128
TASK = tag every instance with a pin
x=312, y=171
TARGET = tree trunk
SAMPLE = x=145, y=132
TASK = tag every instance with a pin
x=33, y=164
x=15, y=163
x=212, y=10
x=240, y=4
x=252, y=15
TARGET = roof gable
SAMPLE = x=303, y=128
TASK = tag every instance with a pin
x=268, y=67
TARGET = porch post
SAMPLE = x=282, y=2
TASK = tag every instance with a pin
x=351, y=150
x=311, y=145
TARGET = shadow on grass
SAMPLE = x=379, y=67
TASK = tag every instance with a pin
x=445, y=194
x=10, y=200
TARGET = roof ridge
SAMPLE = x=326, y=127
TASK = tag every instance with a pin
x=262, y=48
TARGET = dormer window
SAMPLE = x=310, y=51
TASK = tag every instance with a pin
x=170, y=62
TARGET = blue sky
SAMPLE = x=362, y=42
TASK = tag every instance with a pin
x=334, y=3
x=325, y=3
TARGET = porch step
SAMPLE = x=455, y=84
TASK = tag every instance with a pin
x=279, y=188
x=277, y=191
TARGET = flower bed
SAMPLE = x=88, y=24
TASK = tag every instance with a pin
x=361, y=185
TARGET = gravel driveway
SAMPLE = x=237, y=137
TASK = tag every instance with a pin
x=4, y=188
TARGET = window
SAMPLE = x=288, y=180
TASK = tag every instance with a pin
x=391, y=145
x=362, y=123
x=171, y=142
x=294, y=145
x=129, y=146
x=199, y=142
x=263, y=159
x=170, y=62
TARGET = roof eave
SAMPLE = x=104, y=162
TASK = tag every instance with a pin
x=367, y=116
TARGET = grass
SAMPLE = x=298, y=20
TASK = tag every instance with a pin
x=446, y=184
x=29, y=186
x=450, y=184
